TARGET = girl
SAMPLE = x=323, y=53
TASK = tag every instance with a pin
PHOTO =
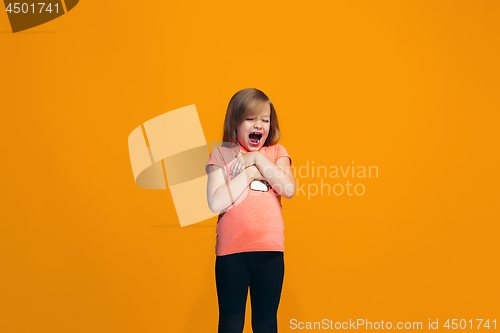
x=247, y=177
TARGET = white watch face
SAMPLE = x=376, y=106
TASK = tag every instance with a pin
x=258, y=185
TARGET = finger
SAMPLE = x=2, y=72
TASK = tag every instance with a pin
x=233, y=167
x=231, y=170
x=241, y=165
x=239, y=168
x=235, y=162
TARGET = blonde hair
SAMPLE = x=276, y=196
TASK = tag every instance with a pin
x=239, y=106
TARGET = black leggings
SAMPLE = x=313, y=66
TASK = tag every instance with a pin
x=263, y=273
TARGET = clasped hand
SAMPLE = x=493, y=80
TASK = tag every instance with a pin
x=246, y=161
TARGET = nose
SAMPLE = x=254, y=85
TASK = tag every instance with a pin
x=258, y=124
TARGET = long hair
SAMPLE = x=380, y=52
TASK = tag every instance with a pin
x=239, y=106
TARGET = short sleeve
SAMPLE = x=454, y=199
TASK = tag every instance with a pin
x=216, y=159
x=281, y=152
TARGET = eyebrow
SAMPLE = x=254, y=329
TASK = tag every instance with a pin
x=253, y=116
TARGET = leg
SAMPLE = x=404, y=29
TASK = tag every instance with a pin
x=232, y=278
x=266, y=280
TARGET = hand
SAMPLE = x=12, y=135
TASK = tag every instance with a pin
x=254, y=173
x=237, y=167
x=241, y=162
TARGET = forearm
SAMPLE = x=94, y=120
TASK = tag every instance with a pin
x=278, y=178
x=227, y=193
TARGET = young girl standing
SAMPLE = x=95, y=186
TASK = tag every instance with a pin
x=247, y=177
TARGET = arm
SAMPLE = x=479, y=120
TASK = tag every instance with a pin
x=279, y=175
x=221, y=195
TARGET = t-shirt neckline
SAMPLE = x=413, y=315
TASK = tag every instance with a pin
x=243, y=149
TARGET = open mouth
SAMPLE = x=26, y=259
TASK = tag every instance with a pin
x=254, y=138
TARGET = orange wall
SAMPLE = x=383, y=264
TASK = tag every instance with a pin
x=410, y=87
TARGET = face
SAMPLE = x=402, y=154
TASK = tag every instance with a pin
x=253, y=131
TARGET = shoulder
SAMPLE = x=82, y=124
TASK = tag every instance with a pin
x=277, y=151
x=227, y=153
x=274, y=147
x=222, y=151
x=222, y=155
x=216, y=158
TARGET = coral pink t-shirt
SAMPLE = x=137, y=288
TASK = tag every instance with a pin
x=254, y=221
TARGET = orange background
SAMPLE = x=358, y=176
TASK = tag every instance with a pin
x=411, y=87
